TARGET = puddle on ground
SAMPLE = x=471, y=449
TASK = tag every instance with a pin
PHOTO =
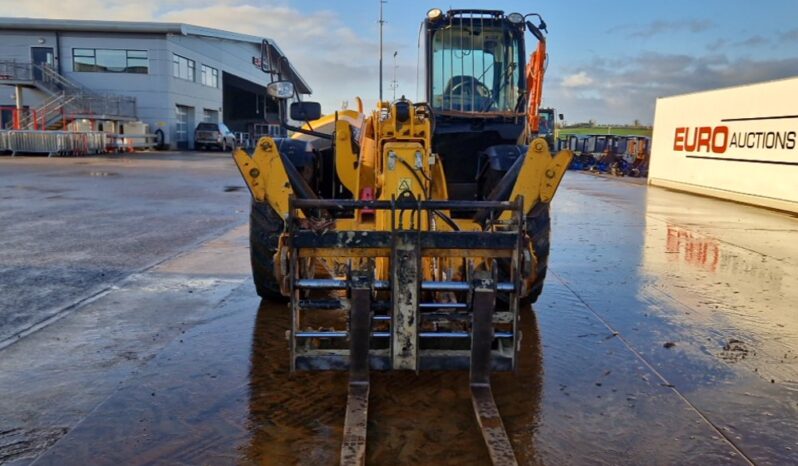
x=413, y=419
x=103, y=173
x=223, y=393
x=598, y=382
x=68, y=174
x=714, y=279
x=740, y=299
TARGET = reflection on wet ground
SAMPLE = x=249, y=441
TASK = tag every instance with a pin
x=703, y=290
x=661, y=338
x=199, y=401
x=424, y=419
x=413, y=419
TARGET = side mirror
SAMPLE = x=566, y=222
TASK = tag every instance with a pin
x=281, y=89
x=305, y=111
x=535, y=31
x=562, y=117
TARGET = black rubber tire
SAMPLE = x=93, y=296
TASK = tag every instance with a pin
x=538, y=224
x=265, y=227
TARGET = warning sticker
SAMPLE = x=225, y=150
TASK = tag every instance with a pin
x=405, y=184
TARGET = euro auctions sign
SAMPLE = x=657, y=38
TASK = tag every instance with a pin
x=765, y=139
x=739, y=143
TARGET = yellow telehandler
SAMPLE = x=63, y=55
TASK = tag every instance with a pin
x=410, y=238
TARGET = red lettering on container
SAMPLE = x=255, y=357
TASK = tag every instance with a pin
x=706, y=138
x=720, y=147
x=678, y=140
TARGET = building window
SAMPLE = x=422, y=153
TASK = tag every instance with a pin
x=210, y=116
x=110, y=61
x=182, y=67
x=210, y=76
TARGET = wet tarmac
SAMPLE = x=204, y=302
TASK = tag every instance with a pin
x=666, y=334
x=70, y=228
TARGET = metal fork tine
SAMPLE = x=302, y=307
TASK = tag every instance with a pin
x=353, y=446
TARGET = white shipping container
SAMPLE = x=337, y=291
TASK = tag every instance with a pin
x=738, y=143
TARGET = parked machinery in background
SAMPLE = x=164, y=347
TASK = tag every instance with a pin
x=601, y=153
x=576, y=143
x=638, y=153
x=548, y=125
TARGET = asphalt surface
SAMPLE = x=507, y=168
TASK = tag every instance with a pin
x=72, y=227
x=666, y=334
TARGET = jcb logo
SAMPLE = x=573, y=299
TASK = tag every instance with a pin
x=713, y=139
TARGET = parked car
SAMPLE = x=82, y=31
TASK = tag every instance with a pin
x=214, y=135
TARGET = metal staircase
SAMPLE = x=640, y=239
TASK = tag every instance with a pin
x=67, y=99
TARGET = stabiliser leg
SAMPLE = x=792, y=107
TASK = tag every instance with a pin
x=490, y=422
x=353, y=447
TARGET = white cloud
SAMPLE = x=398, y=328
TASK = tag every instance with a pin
x=326, y=53
x=625, y=88
x=580, y=79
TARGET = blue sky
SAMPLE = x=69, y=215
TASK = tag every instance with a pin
x=601, y=52
x=608, y=61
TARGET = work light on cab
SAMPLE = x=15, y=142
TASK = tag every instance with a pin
x=515, y=18
x=434, y=14
x=281, y=89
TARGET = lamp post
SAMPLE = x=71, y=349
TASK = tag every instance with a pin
x=394, y=83
x=382, y=21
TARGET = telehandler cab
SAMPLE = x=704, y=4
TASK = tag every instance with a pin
x=408, y=238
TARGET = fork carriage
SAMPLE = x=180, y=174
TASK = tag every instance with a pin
x=423, y=314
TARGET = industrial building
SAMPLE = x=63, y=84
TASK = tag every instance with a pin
x=170, y=76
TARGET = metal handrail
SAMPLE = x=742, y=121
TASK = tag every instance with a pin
x=54, y=103
x=67, y=94
x=55, y=76
x=14, y=70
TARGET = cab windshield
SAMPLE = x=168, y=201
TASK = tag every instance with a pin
x=475, y=69
x=546, y=123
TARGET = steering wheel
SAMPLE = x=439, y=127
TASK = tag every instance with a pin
x=463, y=85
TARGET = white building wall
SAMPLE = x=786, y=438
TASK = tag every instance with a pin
x=150, y=90
x=739, y=144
